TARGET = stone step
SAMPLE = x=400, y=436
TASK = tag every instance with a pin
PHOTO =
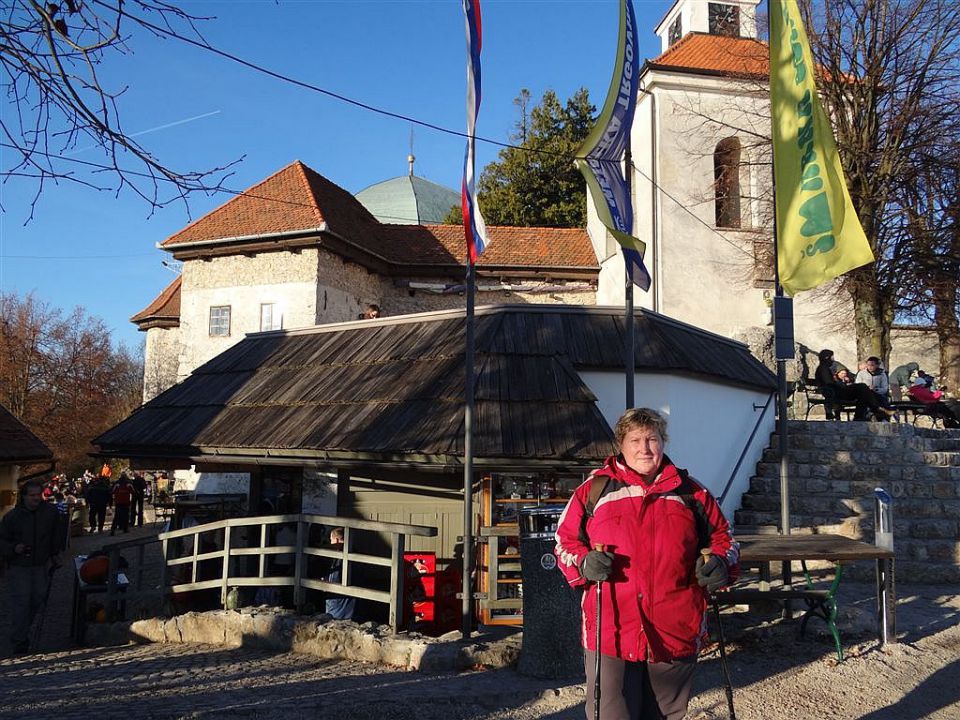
x=859, y=470
x=930, y=454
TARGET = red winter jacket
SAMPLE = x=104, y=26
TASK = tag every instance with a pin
x=653, y=608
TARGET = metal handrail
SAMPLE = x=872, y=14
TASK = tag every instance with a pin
x=743, y=453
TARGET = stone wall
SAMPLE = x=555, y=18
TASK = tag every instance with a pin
x=318, y=636
x=288, y=280
x=161, y=360
x=834, y=468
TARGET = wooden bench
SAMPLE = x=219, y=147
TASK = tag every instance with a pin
x=820, y=603
x=918, y=409
x=814, y=397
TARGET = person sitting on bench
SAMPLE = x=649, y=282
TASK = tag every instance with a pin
x=875, y=377
x=837, y=394
x=947, y=409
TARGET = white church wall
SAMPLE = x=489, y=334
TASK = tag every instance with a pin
x=709, y=424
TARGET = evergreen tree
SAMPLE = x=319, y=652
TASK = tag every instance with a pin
x=536, y=183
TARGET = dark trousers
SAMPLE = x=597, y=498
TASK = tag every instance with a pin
x=26, y=588
x=136, y=517
x=121, y=518
x=640, y=690
x=98, y=516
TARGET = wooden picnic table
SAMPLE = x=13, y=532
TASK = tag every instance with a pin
x=762, y=550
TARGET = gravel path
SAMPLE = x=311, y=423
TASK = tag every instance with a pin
x=775, y=676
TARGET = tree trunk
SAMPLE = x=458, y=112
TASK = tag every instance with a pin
x=871, y=317
x=948, y=333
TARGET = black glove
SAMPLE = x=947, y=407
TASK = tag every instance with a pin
x=597, y=566
x=711, y=572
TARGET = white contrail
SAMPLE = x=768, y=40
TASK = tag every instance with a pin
x=155, y=129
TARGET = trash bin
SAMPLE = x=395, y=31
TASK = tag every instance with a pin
x=551, y=608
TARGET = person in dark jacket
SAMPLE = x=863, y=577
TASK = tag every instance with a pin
x=838, y=394
x=98, y=498
x=31, y=538
x=139, y=485
x=639, y=525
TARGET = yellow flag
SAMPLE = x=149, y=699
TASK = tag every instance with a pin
x=819, y=234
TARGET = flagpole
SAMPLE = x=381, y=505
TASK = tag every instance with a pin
x=467, y=584
x=779, y=325
x=629, y=361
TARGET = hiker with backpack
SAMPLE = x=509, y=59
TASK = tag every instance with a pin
x=122, y=500
x=636, y=527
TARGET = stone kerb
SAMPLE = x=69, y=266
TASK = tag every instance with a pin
x=317, y=636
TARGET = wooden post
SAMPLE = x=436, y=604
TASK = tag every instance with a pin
x=163, y=572
x=298, y=565
x=397, y=571
x=225, y=587
x=263, y=544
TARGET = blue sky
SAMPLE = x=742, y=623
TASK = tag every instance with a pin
x=98, y=250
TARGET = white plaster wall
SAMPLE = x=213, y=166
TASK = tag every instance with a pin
x=319, y=493
x=244, y=283
x=708, y=423
x=212, y=483
x=161, y=360
x=695, y=18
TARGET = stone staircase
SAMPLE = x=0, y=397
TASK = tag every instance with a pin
x=834, y=468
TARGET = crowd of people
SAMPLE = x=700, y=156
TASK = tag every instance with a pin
x=873, y=391
x=127, y=496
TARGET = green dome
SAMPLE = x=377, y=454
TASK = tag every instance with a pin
x=409, y=200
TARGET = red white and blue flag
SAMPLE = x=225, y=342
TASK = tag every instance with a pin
x=473, y=226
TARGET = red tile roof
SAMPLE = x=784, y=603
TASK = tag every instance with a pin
x=165, y=307
x=294, y=199
x=299, y=199
x=521, y=246
x=717, y=54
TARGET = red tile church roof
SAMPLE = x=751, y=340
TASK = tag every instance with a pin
x=716, y=54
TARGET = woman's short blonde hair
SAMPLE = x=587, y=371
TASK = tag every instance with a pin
x=640, y=418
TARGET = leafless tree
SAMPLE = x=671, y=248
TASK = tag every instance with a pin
x=889, y=74
x=61, y=375
x=52, y=56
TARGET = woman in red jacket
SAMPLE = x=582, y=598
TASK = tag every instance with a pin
x=652, y=520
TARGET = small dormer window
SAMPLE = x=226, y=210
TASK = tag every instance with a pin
x=676, y=31
x=724, y=19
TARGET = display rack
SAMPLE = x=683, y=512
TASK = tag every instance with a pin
x=503, y=497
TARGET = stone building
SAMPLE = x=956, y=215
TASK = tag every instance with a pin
x=296, y=251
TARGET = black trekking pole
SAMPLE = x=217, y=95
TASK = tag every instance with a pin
x=596, y=667
x=722, y=643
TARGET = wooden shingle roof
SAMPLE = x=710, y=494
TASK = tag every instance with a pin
x=391, y=390
x=18, y=445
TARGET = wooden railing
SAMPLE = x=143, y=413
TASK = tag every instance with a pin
x=228, y=540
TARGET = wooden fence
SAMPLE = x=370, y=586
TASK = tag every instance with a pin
x=242, y=552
